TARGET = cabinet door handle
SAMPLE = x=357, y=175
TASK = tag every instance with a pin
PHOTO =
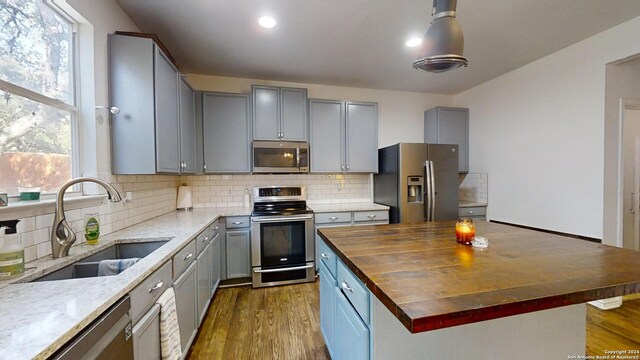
x=371, y=216
x=206, y=238
x=324, y=256
x=632, y=207
x=341, y=167
x=347, y=166
x=188, y=257
x=238, y=222
x=216, y=228
x=333, y=218
x=345, y=286
x=157, y=286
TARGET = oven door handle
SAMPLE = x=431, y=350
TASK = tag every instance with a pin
x=283, y=269
x=280, y=219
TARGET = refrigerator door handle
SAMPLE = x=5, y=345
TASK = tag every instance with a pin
x=433, y=191
x=427, y=191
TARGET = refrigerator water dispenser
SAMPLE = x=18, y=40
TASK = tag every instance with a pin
x=415, y=186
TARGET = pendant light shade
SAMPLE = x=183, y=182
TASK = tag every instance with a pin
x=443, y=43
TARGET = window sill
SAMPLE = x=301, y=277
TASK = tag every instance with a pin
x=23, y=209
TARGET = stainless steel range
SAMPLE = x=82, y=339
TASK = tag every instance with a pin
x=282, y=241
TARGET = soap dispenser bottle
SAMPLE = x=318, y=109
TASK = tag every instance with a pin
x=11, y=255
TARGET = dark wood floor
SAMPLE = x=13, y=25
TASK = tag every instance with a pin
x=270, y=323
x=283, y=323
x=616, y=329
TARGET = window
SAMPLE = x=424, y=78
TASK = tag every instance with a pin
x=38, y=115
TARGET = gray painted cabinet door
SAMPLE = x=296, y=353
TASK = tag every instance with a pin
x=166, y=102
x=146, y=336
x=238, y=252
x=215, y=263
x=226, y=133
x=185, y=290
x=293, y=114
x=447, y=125
x=187, y=128
x=266, y=113
x=203, y=272
x=326, y=136
x=361, y=137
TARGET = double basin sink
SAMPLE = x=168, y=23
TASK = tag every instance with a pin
x=88, y=266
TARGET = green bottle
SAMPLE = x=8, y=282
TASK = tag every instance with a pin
x=11, y=255
x=91, y=229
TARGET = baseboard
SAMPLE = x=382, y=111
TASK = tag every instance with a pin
x=607, y=304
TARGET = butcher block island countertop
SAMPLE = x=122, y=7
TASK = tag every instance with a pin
x=428, y=281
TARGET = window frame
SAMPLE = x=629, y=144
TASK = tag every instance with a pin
x=72, y=108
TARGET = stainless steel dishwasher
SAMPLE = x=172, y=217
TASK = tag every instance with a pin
x=108, y=337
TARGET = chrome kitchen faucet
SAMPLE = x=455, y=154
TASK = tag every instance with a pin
x=62, y=236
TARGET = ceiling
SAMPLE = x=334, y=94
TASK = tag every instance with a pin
x=360, y=43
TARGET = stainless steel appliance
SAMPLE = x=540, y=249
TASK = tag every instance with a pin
x=419, y=182
x=282, y=242
x=108, y=337
x=280, y=157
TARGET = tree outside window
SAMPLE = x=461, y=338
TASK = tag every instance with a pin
x=37, y=102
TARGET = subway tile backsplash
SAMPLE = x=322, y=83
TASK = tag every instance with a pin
x=474, y=187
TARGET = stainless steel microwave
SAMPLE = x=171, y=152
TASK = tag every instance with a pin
x=280, y=157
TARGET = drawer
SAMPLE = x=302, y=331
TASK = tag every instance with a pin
x=215, y=228
x=202, y=240
x=145, y=295
x=330, y=218
x=184, y=258
x=378, y=215
x=472, y=211
x=327, y=256
x=354, y=290
x=234, y=222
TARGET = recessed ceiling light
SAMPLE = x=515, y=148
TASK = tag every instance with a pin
x=267, y=22
x=413, y=42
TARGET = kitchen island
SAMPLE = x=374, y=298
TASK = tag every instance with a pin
x=416, y=293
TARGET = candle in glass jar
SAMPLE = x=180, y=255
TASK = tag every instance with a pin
x=465, y=231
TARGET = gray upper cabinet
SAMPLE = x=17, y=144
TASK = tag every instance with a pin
x=326, y=119
x=187, y=128
x=143, y=84
x=279, y=113
x=448, y=125
x=226, y=133
x=361, y=137
x=344, y=136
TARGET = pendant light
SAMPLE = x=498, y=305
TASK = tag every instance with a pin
x=443, y=42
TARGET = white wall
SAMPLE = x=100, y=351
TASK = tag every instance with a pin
x=400, y=113
x=539, y=133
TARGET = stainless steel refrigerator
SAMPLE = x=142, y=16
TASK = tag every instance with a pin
x=419, y=182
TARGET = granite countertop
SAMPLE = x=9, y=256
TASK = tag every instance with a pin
x=428, y=281
x=363, y=206
x=463, y=204
x=38, y=318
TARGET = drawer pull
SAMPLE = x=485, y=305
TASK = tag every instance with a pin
x=216, y=228
x=333, y=218
x=157, y=286
x=372, y=216
x=188, y=257
x=470, y=212
x=345, y=286
x=324, y=256
x=206, y=238
x=238, y=222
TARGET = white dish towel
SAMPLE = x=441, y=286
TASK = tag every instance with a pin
x=169, y=329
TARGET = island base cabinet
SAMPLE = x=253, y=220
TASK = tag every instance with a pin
x=146, y=336
x=351, y=336
x=327, y=308
x=185, y=290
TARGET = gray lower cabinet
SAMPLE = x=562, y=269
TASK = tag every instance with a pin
x=476, y=212
x=143, y=84
x=279, y=113
x=448, y=125
x=146, y=336
x=215, y=262
x=187, y=128
x=185, y=289
x=238, y=247
x=203, y=273
x=343, y=136
x=226, y=131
